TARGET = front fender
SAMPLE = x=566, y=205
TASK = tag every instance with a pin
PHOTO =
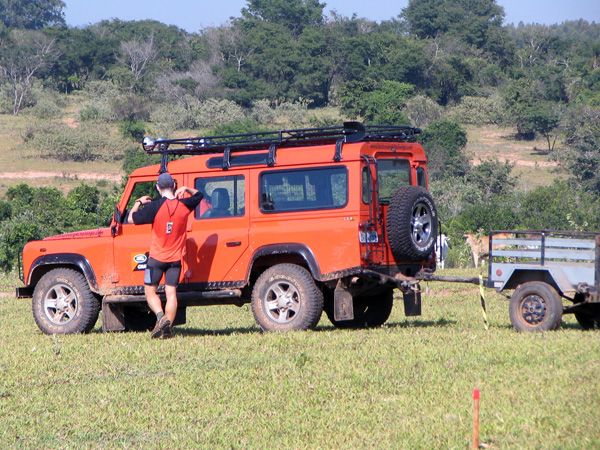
x=44, y=263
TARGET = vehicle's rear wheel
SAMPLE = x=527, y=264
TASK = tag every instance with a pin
x=411, y=223
x=286, y=298
x=63, y=303
x=371, y=310
x=535, y=306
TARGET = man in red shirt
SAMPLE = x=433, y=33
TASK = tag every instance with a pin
x=168, y=216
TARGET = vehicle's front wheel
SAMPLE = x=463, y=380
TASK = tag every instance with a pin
x=286, y=298
x=371, y=310
x=63, y=303
x=535, y=306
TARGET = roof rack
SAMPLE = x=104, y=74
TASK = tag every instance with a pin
x=272, y=140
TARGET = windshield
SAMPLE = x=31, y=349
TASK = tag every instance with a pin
x=392, y=173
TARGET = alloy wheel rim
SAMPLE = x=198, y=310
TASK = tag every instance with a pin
x=60, y=304
x=420, y=226
x=282, y=302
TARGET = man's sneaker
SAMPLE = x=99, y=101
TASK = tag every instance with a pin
x=168, y=332
x=160, y=327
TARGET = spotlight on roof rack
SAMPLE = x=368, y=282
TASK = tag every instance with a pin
x=148, y=144
x=161, y=145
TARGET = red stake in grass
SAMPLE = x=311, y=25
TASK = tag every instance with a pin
x=476, y=394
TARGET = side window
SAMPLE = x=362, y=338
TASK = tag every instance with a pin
x=421, y=178
x=366, y=185
x=298, y=190
x=223, y=197
x=140, y=189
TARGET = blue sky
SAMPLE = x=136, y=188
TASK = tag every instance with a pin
x=193, y=15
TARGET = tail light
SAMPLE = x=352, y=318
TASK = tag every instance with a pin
x=367, y=233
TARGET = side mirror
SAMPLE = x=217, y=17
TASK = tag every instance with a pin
x=117, y=218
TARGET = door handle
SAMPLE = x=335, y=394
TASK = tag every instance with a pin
x=233, y=243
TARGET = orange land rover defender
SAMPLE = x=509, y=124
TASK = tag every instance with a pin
x=294, y=222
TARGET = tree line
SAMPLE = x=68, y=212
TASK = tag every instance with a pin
x=440, y=64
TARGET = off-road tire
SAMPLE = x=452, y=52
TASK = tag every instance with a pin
x=304, y=295
x=369, y=310
x=406, y=239
x=535, y=306
x=71, y=282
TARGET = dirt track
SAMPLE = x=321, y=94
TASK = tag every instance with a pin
x=30, y=175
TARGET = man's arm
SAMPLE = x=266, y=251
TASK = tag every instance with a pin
x=136, y=207
x=190, y=202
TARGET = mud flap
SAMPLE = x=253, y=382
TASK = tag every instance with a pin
x=412, y=303
x=113, y=317
x=343, y=307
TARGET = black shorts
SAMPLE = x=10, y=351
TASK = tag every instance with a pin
x=155, y=270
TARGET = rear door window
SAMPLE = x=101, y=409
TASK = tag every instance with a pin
x=392, y=173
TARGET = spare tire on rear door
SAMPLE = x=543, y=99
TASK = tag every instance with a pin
x=411, y=223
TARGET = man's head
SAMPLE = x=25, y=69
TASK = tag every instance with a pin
x=165, y=183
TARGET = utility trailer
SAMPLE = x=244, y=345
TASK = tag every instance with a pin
x=544, y=267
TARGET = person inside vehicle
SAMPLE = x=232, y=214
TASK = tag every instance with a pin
x=168, y=216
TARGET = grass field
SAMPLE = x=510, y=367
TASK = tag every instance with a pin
x=220, y=383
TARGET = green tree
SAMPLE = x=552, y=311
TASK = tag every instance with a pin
x=444, y=142
x=582, y=153
x=32, y=14
x=377, y=103
x=475, y=22
x=292, y=14
x=22, y=57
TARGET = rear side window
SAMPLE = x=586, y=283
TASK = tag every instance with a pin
x=421, y=178
x=223, y=197
x=299, y=190
x=392, y=173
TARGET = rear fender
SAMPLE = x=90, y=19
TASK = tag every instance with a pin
x=285, y=253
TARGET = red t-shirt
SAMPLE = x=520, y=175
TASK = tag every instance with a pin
x=169, y=219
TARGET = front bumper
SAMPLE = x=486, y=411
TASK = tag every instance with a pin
x=24, y=292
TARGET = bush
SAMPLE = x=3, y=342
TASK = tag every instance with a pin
x=262, y=111
x=48, y=104
x=133, y=129
x=87, y=142
x=215, y=112
x=421, y=111
x=14, y=234
x=168, y=118
x=238, y=127
x=135, y=157
x=100, y=97
x=478, y=111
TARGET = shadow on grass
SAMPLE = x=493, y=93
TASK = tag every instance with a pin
x=222, y=332
x=403, y=324
x=189, y=331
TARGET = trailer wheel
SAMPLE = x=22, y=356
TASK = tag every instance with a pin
x=535, y=306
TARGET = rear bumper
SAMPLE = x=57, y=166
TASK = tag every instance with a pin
x=24, y=292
